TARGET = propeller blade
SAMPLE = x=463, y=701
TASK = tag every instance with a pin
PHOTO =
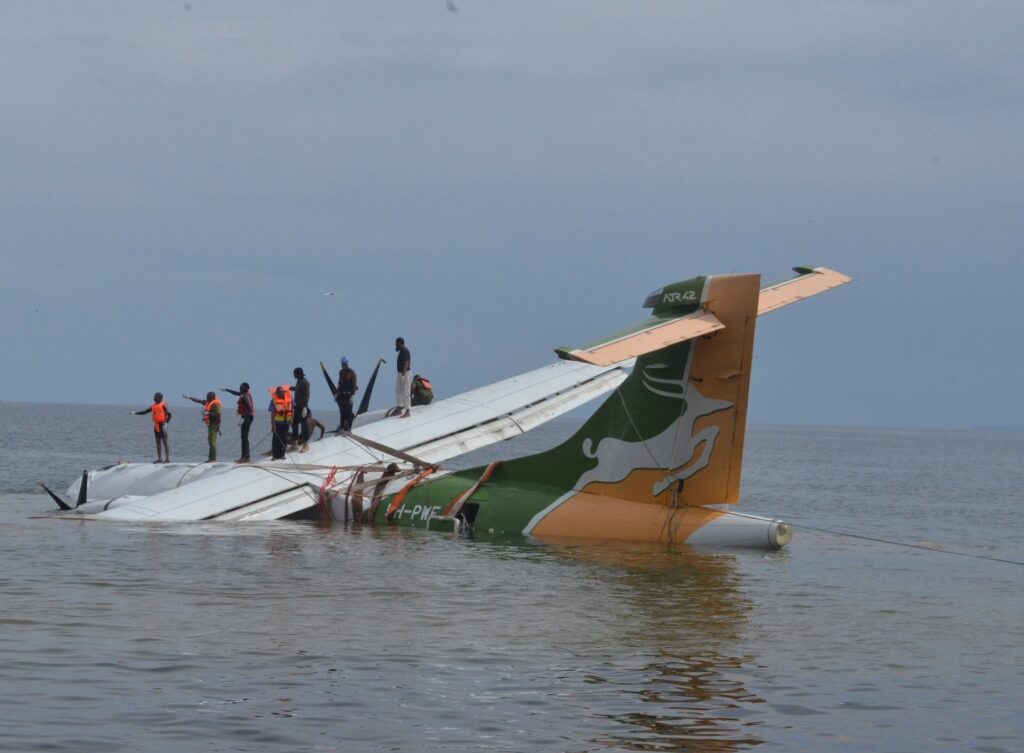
x=82, y=490
x=364, y=404
x=60, y=502
x=330, y=382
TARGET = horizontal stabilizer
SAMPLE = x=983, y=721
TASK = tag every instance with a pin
x=681, y=313
x=810, y=281
x=656, y=333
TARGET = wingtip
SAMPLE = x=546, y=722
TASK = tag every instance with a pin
x=839, y=277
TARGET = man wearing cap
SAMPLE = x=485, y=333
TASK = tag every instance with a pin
x=347, y=388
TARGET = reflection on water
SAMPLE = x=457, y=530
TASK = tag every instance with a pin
x=676, y=594
x=685, y=605
x=701, y=707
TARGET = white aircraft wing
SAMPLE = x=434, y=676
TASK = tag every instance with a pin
x=274, y=489
x=502, y=410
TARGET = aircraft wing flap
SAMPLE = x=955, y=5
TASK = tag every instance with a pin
x=810, y=281
x=657, y=335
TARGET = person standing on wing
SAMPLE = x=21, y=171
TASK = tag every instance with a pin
x=161, y=417
x=211, y=417
x=403, y=387
x=247, y=412
x=281, y=417
x=300, y=422
x=347, y=388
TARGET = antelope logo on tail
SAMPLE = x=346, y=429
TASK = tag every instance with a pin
x=672, y=449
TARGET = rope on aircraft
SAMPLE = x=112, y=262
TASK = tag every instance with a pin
x=324, y=502
x=355, y=501
x=392, y=451
x=263, y=440
x=399, y=498
x=456, y=504
x=187, y=471
x=679, y=428
x=643, y=440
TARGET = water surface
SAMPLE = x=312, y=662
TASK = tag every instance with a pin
x=290, y=636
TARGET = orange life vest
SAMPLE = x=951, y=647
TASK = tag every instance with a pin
x=208, y=408
x=282, y=405
x=160, y=413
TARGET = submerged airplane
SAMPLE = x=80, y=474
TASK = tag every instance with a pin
x=658, y=461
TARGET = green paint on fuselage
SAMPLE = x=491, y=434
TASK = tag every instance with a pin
x=521, y=488
x=502, y=506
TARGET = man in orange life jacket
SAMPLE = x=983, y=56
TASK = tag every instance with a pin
x=281, y=411
x=211, y=417
x=246, y=411
x=161, y=417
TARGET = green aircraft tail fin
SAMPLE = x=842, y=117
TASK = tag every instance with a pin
x=669, y=438
x=674, y=429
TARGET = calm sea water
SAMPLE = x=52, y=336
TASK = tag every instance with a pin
x=294, y=637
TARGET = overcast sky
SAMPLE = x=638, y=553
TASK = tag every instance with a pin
x=181, y=182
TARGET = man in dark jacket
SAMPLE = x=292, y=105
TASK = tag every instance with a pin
x=246, y=411
x=347, y=388
x=300, y=396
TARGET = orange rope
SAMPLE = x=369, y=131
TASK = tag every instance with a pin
x=324, y=502
x=400, y=497
x=457, y=503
